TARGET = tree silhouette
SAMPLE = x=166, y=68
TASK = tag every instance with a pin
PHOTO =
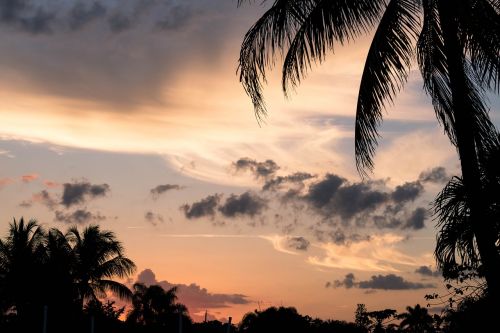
x=156, y=308
x=282, y=319
x=457, y=46
x=98, y=258
x=21, y=256
x=456, y=251
x=416, y=320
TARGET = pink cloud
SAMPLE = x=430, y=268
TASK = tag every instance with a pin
x=29, y=178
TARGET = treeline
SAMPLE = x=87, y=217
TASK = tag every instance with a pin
x=53, y=282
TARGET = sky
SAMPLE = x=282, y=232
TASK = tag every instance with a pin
x=129, y=114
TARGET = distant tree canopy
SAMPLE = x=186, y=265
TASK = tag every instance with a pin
x=68, y=276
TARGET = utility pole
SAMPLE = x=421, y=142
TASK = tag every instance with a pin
x=45, y=312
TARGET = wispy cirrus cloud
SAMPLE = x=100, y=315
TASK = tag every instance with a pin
x=379, y=253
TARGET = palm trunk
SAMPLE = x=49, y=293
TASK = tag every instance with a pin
x=483, y=228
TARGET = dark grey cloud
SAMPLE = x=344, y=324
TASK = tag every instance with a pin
x=416, y=221
x=160, y=189
x=26, y=15
x=246, y=204
x=203, y=208
x=356, y=198
x=194, y=296
x=381, y=282
x=435, y=175
x=407, y=192
x=322, y=192
x=260, y=169
x=298, y=243
x=79, y=192
x=427, y=271
x=296, y=178
x=84, y=13
x=153, y=218
x=347, y=282
x=117, y=54
x=79, y=216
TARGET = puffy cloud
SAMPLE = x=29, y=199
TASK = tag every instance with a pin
x=427, y=271
x=407, y=192
x=435, y=175
x=203, y=208
x=246, y=204
x=382, y=282
x=260, y=169
x=160, y=189
x=79, y=216
x=194, y=296
x=153, y=218
x=298, y=243
x=78, y=192
x=417, y=219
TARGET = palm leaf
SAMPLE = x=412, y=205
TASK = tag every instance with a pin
x=386, y=70
x=326, y=22
x=270, y=34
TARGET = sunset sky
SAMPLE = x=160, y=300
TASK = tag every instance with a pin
x=130, y=114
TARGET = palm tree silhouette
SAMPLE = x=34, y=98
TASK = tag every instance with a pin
x=456, y=251
x=155, y=307
x=21, y=256
x=416, y=320
x=98, y=258
x=457, y=47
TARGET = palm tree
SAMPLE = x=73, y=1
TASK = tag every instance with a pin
x=155, y=307
x=416, y=320
x=456, y=43
x=98, y=258
x=21, y=255
x=456, y=251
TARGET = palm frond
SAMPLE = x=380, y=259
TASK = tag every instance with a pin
x=268, y=36
x=326, y=22
x=118, y=266
x=117, y=288
x=480, y=23
x=386, y=70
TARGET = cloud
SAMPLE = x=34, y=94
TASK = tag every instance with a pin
x=407, y=192
x=381, y=282
x=153, y=218
x=44, y=198
x=435, y=175
x=6, y=181
x=203, y=208
x=79, y=216
x=78, y=192
x=298, y=243
x=160, y=189
x=378, y=253
x=51, y=184
x=427, y=271
x=194, y=296
x=416, y=219
x=84, y=13
x=29, y=178
x=26, y=16
x=323, y=191
x=260, y=169
x=248, y=204
x=296, y=178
